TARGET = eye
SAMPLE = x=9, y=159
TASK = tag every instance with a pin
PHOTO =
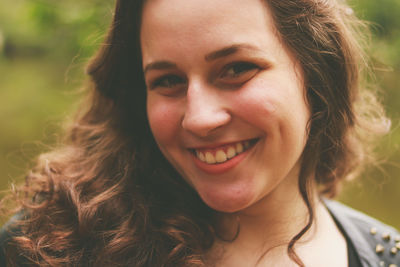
x=169, y=84
x=239, y=72
x=167, y=81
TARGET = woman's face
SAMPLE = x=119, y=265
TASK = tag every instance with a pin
x=225, y=99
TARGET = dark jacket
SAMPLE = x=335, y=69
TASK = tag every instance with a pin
x=376, y=244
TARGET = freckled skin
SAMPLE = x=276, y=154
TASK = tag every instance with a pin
x=269, y=106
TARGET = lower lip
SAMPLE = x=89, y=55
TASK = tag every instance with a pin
x=221, y=167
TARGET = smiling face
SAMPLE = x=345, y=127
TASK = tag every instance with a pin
x=225, y=99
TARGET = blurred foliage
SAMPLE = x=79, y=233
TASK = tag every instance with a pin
x=56, y=27
x=377, y=191
x=44, y=45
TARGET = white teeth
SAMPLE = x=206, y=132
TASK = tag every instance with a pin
x=231, y=152
x=201, y=156
x=239, y=148
x=210, y=158
x=220, y=156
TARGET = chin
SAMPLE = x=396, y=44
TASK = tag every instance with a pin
x=227, y=201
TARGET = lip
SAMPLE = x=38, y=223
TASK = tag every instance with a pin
x=225, y=166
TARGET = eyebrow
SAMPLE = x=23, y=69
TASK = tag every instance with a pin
x=159, y=65
x=224, y=52
x=227, y=51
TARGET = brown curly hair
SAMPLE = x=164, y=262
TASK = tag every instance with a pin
x=108, y=197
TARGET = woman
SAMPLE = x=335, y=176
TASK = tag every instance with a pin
x=211, y=132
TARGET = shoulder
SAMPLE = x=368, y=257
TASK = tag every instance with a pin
x=376, y=243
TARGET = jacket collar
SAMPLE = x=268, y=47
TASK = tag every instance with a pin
x=356, y=231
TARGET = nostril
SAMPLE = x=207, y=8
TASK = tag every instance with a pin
x=202, y=124
x=205, y=110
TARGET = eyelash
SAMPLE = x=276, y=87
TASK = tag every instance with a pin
x=245, y=68
x=169, y=81
x=167, y=78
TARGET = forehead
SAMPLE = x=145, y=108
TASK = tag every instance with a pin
x=201, y=8
x=198, y=24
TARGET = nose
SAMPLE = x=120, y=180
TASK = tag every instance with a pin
x=205, y=110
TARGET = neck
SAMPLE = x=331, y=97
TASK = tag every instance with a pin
x=271, y=222
x=267, y=227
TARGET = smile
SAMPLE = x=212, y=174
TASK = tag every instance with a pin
x=223, y=153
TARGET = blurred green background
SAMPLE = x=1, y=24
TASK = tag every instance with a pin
x=45, y=44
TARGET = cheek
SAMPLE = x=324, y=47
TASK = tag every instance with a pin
x=164, y=120
x=278, y=109
x=256, y=103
